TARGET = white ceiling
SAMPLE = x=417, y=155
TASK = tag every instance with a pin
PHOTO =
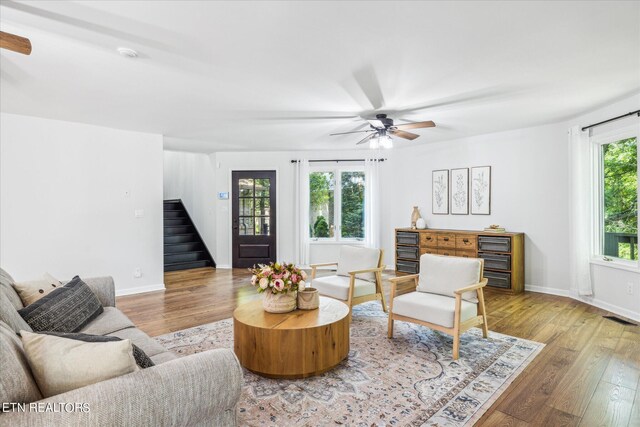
x=217, y=76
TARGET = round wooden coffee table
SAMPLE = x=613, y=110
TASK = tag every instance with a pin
x=298, y=344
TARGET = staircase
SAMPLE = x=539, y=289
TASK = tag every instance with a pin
x=183, y=246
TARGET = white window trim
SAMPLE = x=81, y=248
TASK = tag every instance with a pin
x=337, y=197
x=597, y=141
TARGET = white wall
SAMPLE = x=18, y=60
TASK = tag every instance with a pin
x=191, y=177
x=68, y=192
x=529, y=192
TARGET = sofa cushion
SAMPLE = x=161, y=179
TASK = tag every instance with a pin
x=10, y=316
x=353, y=258
x=67, y=309
x=443, y=275
x=16, y=381
x=62, y=364
x=32, y=290
x=109, y=321
x=142, y=360
x=150, y=346
x=338, y=287
x=432, y=308
x=6, y=288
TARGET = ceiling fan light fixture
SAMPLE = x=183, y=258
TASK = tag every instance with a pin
x=374, y=143
x=385, y=141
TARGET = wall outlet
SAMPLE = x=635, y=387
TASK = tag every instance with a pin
x=630, y=288
x=137, y=273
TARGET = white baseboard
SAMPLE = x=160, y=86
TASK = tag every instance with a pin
x=587, y=300
x=140, y=289
x=223, y=266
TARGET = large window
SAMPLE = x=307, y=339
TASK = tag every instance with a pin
x=618, y=198
x=336, y=204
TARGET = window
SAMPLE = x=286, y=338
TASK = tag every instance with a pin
x=618, y=198
x=254, y=207
x=336, y=204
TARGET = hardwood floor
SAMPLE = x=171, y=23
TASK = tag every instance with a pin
x=587, y=375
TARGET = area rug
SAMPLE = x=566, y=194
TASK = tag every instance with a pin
x=410, y=380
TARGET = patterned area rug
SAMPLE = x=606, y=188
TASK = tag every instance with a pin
x=409, y=380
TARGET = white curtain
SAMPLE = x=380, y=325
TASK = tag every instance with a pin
x=580, y=187
x=301, y=177
x=372, y=203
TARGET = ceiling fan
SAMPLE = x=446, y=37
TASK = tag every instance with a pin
x=15, y=43
x=381, y=129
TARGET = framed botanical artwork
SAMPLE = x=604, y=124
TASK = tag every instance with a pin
x=440, y=192
x=460, y=191
x=481, y=190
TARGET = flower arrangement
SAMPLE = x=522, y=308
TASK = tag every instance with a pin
x=278, y=278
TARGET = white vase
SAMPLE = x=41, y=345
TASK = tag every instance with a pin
x=421, y=224
x=280, y=302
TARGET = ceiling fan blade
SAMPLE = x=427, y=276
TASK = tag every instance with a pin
x=366, y=139
x=376, y=123
x=370, y=85
x=403, y=134
x=15, y=43
x=353, y=131
x=418, y=125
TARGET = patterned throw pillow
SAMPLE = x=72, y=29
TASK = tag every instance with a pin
x=32, y=290
x=142, y=360
x=66, y=309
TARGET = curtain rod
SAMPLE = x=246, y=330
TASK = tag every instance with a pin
x=610, y=120
x=338, y=160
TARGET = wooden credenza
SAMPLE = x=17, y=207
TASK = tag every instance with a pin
x=503, y=253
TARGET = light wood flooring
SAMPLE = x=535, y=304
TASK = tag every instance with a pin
x=588, y=374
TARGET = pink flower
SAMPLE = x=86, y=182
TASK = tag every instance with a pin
x=303, y=274
x=294, y=278
x=264, y=282
x=278, y=284
x=266, y=270
x=277, y=276
x=286, y=275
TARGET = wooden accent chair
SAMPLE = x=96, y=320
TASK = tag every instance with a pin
x=358, y=278
x=447, y=296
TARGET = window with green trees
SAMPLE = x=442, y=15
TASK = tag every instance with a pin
x=336, y=204
x=619, y=199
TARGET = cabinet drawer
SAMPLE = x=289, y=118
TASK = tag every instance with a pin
x=498, y=262
x=407, y=238
x=446, y=241
x=407, y=252
x=447, y=252
x=407, y=267
x=465, y=254
x=428, y=251
x=498, y=280
x=495, y=244
x=466, y=243
x=429, y=240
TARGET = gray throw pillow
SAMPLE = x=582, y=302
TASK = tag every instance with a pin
x=142, y=360
x=66, y=309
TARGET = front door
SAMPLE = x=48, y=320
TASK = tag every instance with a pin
x=254, y=217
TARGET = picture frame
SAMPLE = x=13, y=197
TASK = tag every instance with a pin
x=440, y=192
x=481, y=190
x=460, y=191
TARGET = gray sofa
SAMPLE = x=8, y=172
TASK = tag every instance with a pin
x=201, y=389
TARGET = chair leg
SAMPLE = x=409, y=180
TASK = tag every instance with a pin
x=456, y=345
x=390, y=329
x=380, y=291
x=483, y=310
x=485, y=327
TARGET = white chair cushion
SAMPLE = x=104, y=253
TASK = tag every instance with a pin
x=354, y=258
x=338, y=287
x=432, y=308
x=443, y=275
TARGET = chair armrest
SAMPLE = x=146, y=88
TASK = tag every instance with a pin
x=193, y=390
x=324, y=264
x=368, y=270
x=404, y=278
x=104, y=288
x=479, y=285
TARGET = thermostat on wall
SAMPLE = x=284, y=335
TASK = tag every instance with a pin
x=223, y=196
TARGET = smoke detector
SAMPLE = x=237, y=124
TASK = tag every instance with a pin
x=127, y=53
